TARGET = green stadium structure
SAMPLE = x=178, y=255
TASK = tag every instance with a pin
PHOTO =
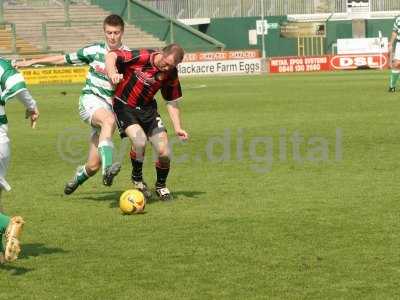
x=29, y=30
x=32, y=27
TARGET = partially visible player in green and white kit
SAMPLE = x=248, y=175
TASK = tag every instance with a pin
x=395, y=64
x=12, y=84
x=95, y=102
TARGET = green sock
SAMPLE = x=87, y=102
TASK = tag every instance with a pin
x=394, y=76
x=106, y=153
x=81, y=175
x=4, y=221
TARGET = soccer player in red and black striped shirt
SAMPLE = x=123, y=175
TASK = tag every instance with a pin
x=139, y=75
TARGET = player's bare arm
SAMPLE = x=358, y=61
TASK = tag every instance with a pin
x=174, y=114
x=392, y=40
x=111, y=68
x=47, y=60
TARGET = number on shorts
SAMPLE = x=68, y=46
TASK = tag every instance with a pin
x=159, y=123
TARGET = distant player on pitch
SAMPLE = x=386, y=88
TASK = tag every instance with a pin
x=95, y=102
x=140, y=74
x=395, y=56
x=11, y=84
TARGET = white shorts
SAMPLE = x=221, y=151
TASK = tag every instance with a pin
x=88, y=104
x=397, y=51
x=4, y=160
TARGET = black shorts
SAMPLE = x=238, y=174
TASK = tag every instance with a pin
x=147, y=117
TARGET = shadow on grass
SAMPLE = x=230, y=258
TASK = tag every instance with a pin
x=177, y=195
x=30, y=250
x=99, y=196
x=113, y=196
x=15, y=271
x=187, y=194
x=38, y=249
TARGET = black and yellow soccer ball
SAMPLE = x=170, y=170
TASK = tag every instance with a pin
x=132, y=202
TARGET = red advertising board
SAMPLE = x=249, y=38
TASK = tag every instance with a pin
x=359, y=61
x=292, y=64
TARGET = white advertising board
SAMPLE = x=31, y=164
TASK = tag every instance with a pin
x=262, y=25
x=358, y=9
x=362, y=45
x=220, y=67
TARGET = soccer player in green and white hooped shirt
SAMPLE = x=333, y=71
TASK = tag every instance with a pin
x=95, y=106
x=395, y=40
x=11, y=84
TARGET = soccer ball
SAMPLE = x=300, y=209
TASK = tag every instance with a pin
x=132, y=201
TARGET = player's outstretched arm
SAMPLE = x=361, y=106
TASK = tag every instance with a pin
x=111, y=68
x=174, y=114
x=47, y=60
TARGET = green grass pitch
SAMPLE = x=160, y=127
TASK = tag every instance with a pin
x=288, y=189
